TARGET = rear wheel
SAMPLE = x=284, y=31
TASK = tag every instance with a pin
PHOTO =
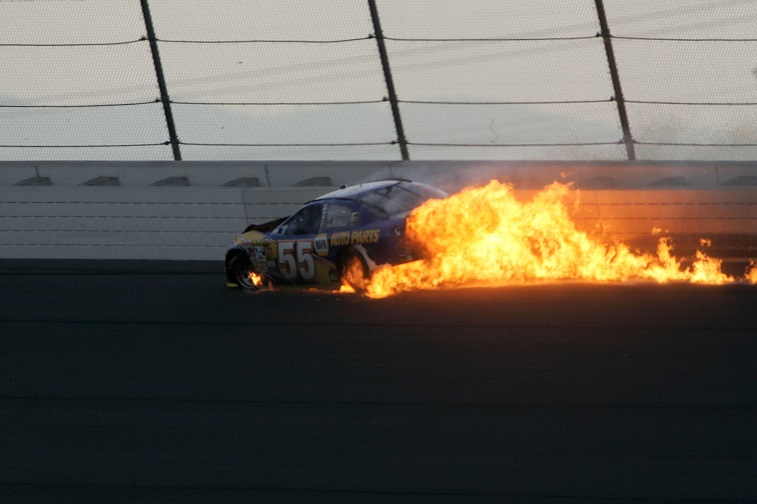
x=240, y=271
x=354, y=272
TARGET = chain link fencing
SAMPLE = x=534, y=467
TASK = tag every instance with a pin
x=291, y=80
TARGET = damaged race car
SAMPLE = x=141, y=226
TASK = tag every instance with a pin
x=338, y=238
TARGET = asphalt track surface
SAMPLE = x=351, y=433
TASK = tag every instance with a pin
x=137, y=382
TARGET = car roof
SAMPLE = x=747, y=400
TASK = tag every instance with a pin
x=357, y=191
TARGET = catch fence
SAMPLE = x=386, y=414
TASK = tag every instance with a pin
x=378, y=80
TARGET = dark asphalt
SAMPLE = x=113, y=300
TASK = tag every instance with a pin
x=151, y=382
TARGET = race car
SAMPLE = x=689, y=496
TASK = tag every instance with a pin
x=338, y=238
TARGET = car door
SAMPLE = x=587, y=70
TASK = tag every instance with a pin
x=295, y=244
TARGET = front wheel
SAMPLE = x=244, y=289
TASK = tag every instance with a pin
x=242, y=274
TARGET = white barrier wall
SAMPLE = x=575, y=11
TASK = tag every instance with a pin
x=137, y=220
x=199, y=223
x=196, y=173
x=446, y=174
x=123, y=223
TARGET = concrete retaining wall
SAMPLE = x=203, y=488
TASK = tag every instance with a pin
x=199, y=223
x=446, y=174
x=139, y=220
x=124, y=223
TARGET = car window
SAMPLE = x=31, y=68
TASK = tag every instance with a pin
x=392, y=200
x=306, y=221
x=338, y=216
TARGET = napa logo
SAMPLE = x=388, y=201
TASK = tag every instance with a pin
x=355, y=237
x=321, y=244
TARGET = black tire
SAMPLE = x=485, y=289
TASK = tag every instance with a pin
x=239, y=269
x=354, y=272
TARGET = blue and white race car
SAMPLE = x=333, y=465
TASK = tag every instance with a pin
x=338, y=238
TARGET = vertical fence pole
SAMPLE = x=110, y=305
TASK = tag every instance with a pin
x=389, y=81
x=161, y=81
x=619, y=99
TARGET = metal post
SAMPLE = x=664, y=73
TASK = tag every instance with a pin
x=605, y=32
x=161, y=81
x=389, y=81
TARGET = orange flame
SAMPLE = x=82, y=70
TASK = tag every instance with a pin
x=484, y=235
x=751, y=273
x=256, y=279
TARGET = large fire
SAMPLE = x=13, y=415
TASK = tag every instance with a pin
x=484, y=235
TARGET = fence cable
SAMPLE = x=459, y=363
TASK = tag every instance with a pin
x=383, y=99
